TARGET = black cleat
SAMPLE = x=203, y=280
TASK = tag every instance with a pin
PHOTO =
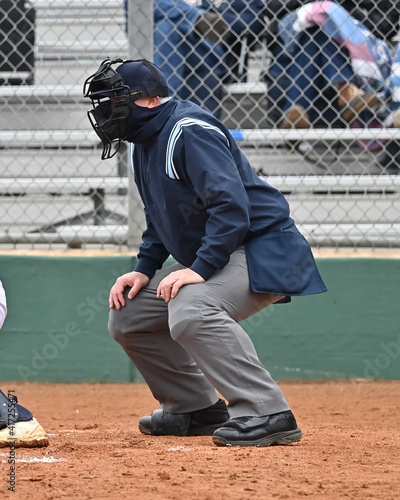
x=279, y=428
x=196, y=423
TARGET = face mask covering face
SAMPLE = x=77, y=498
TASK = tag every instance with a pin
x=121, y=119
x=138, y=118
x=109, y=120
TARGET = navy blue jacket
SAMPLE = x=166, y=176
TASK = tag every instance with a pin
x=202, y=198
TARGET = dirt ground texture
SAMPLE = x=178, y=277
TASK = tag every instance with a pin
x=350, y=448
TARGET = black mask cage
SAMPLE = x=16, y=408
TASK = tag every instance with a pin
x=106, y=82
x=109, y=123
x=109, y=119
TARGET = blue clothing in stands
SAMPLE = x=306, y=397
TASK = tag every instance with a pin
x=193, y=65
x=242, y=16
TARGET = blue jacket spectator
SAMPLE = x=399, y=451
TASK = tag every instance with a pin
x=198, y=60
x=312, y=85
x=193, y=65
x=242, y=18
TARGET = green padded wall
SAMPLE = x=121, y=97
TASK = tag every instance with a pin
x=56, y=329
x=351, y=331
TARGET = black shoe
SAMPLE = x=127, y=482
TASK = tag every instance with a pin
x=196, y=423
x=280, y=428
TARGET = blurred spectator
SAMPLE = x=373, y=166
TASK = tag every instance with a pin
x=328, y=67
x=315, y=77
x=186, y=51
x=243, y=18
x=198, y=47
x=391, y=156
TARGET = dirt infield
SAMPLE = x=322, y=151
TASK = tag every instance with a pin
x=350, y=449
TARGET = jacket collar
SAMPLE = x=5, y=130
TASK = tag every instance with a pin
x=149, y=132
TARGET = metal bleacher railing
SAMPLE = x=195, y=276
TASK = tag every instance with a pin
x=56, y=192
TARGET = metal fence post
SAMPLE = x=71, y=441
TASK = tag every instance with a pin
x=140, y=39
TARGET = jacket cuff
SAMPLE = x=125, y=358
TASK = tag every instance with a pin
x=202, y=267
x=146, y=266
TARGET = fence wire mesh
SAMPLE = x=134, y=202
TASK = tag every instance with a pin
x=273, y=76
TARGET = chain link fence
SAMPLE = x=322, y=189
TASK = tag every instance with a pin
x=339, y=174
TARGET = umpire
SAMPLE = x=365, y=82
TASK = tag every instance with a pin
x=237, y=252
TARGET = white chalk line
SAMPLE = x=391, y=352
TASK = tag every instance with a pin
x=47, y=460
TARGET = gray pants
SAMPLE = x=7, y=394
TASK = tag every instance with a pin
x=192, y=347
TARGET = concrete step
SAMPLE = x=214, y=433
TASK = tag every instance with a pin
x=62, y=185
x=378, y=235
x=55, y=163
x=63, y=138
x=32, y=212
x=72, y=236
x=73, y=37
x=55, y=8
x=53, y=116
x=38, y=107
x=68, y=72
x=92, y=50
x=80, y=30
x=345, y=209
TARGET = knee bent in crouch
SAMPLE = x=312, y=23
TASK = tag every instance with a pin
x=114, y=327
x=187, y=317
x=120, y=325
x=183, y=326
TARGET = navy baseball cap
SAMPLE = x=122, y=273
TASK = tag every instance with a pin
x=131, y=76
x=143, y=76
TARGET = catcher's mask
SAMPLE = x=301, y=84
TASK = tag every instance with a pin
x=113, y=97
